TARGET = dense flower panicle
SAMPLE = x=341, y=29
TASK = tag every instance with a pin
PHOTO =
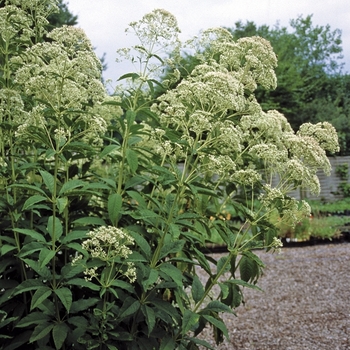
x=159, y=47
x=109, y=244
x=324, y=133
x=66, y=74
x=14, y=23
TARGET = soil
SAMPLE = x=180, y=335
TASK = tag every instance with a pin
x=305, y=303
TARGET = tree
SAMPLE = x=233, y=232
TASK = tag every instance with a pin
x=311, y=84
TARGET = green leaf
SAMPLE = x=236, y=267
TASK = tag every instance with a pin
x=132, y=309
x=32, y=318
x=45, y=256
x=39, y=296
x=216, y=306
x=89, y=220
x=133, y=76
x=248, y=268
x=167, y=343
x=65, y=295
x=54, y=227
x=197, y=289
x=31, y=233
x=223, y=266
x=244, y=284
x=201, y=342
x=70, y=185
x=61, y=204
x=130, y=117
x=28, y=187
x=171, y=248
x=141, y=242
x=74, y=235
x=115, y=202
x=33, y=200
x=6, y=248
x=218, y=324
x=150, y=317
x=83, y=304
x=173, y=272
x=68, y=271
x=82, y=283
x=108, y=149
x=189, y=319
x=138, y=198
x=44, y=272
x=151, y=279
x=40, y=331
x=49, y=180
x=123, y=285
x=132, y=160
x=27, y=286
x=59, y=334
x=30, y=248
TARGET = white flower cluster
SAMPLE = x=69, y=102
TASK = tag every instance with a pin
x=66, y=74
x=15, y=24
x=108, y=243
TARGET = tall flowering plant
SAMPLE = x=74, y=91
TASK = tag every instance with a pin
x=109, y=201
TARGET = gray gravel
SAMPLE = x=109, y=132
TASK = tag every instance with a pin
x=305, y=304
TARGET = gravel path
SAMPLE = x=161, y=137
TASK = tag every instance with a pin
x=305, y=304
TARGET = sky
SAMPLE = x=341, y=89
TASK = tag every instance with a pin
x=105, y=21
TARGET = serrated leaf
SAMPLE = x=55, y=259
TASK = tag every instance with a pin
x=74, y=235
x=132, y=309
x=45, y=256
x=217, y=323
x=31, y=233
x=83, y=304
x=248, y=269
x=171, y=248
x=71, y=185
x=54, y=228
x=217, y=306
x=32, y=318
x=82, y=283
x=89, y=220
x=28, y=187
x=123, y=285
x=6, y=248
x=132, y=160
x=59, y=334
x=189, y=319
x=44, y=272
x=115, y=202
x=167, y=343
x=40, y=331
x=65, y=295
x=27, y=286
x=197, y=289
x=151, y=279
x=39, y=296
x=108, y=149
x=68, y=271
x=61, y=204
x=173, y=272
x=150, y=317
x=141, y=242
x=31, y=201
x=48, y=179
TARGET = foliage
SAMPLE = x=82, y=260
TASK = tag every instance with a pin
x=107, y=202
x=324, y=227
x=339, y=207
